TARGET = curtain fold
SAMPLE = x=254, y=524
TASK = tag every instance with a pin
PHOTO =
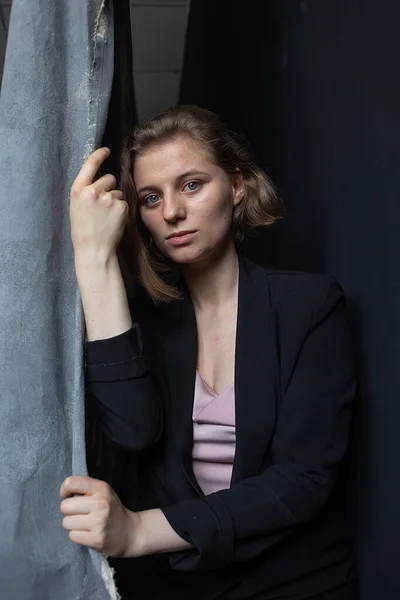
x=106, y=461
x=54, y=101
x=313, y=85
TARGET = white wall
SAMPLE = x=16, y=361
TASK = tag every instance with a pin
x=158, y=34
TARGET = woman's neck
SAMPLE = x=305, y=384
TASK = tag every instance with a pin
x=214, y=283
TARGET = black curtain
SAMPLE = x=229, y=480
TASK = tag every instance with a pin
x=122, y=114
x=314, y=86
x=106, y=461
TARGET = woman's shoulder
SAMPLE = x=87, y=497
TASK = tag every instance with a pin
x=300, y=300
x=304, y=285
x=296, y=293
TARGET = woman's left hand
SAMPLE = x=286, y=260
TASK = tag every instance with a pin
x=97, y=518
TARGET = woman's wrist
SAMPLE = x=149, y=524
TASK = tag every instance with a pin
x=151, y=533
x=104, y=298
x=136, y=546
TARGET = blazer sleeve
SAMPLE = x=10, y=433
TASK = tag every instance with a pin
x=126, y=394
x=310, y=439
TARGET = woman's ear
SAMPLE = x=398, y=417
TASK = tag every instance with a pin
x=237, y=187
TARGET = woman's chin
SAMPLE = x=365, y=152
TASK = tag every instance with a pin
x=186, y=255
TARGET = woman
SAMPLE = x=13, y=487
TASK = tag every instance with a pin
x=233, y=384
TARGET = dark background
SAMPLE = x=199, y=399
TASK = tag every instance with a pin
x=314, y=85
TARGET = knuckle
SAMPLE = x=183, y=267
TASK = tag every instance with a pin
x=76, y=189
x=123, y=207
x=103, y=506
x=92, y=193
x=108, y=492
x=106, y=198
x=103, y=490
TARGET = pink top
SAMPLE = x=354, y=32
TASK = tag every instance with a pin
x=214, y=436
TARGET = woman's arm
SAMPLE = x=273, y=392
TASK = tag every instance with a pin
x=310, y=440
x=152, y=534
x=104, y=298
x=116, y=371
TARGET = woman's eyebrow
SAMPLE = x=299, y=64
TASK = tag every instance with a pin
x=190, y=173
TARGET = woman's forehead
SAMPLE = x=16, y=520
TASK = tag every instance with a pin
x=170, y=159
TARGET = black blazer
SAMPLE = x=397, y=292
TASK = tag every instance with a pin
x=280, y=529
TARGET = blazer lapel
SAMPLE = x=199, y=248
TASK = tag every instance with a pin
x=255, y=377
x=181, y=356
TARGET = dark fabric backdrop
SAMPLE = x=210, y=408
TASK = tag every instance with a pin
x=314, y=86
x=106, y=461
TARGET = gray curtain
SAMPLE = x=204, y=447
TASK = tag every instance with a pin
x=53, y=107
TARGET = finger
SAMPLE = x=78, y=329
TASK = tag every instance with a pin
x=117, y=194
x=113, y=195
x=79, y=505
x=89, y=168
x=81, y=484
x=78, y=522
x=106, y=183
x=81, y=537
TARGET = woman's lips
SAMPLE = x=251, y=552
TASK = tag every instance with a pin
x=180, y=239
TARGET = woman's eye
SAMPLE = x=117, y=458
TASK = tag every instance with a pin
x=152, y=199
x=192, y=185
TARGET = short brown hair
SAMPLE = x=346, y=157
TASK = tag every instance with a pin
x=259, y=207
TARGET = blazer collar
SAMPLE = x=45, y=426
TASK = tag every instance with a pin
x=255, y=377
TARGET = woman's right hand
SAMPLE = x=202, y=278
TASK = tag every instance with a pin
x=98, y=213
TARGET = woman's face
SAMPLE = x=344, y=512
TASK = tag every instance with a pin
x=185, y=201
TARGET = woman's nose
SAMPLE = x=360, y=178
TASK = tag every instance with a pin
x=173, y=209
